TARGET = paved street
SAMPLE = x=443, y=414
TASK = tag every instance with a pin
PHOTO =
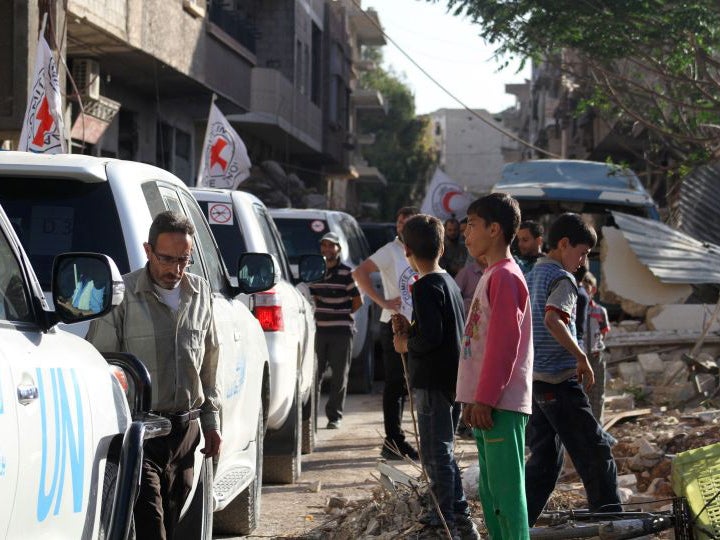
x=343, y=463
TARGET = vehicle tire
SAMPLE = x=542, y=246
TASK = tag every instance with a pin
x=197, y=523
x=309, y=417
x=241, y=516
x=285, y=468
x=109, y=487
x=362, y=381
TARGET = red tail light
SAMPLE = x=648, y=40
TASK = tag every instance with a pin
x=268, y=311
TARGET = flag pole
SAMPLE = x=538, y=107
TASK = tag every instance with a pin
x=198, y=180
x=44, y=22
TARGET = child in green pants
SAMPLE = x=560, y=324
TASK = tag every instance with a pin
x=495, y=373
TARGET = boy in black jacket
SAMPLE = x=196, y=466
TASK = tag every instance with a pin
x=433, y=341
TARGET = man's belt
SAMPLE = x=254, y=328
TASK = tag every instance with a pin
x=181, y=419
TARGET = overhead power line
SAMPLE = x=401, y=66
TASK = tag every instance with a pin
x=448, y=92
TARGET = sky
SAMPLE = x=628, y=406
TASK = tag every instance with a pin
x=450, y=50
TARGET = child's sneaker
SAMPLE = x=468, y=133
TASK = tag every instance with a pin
x=465, y=528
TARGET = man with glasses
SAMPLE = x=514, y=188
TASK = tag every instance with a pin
x=166, y=321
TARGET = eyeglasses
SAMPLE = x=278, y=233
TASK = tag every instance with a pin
x=167, y=260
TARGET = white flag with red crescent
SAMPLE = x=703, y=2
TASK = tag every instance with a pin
x=43, y=130
x=445, y=198
x=225, y=162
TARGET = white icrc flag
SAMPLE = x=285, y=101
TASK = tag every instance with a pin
x=43, y=130
x=445, y=198
x=225, y=162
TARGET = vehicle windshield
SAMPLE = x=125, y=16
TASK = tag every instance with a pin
x=51, y=216
x=228, y=236
x=301, y=236
x=378, y=234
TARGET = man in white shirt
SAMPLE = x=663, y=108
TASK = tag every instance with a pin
x=397, y=278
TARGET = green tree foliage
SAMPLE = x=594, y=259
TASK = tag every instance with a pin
x=653, y=63
x=403, y=149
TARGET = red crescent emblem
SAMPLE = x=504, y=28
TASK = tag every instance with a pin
x=447, y=198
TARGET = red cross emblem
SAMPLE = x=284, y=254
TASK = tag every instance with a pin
x=215, y=150
x=46, y=122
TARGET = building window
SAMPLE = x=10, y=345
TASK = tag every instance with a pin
x=173, y=151
x=235, y=20
x=316, y=69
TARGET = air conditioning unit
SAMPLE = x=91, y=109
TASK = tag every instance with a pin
x=86, y=73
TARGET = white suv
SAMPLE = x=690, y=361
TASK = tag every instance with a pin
x=70, y=443
x=301, y=230
x=241, y=223
x=81, y=203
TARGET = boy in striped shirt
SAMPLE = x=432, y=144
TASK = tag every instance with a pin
x=561, y=414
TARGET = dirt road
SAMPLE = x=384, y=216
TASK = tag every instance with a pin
x=343, y=464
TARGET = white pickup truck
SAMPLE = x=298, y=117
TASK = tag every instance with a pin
x=82, y=203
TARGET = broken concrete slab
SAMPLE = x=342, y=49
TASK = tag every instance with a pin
x=624, y=275
x=681, y=317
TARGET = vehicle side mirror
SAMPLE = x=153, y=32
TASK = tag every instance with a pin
x=256, y=272
x=85, y=286
x=311, y=268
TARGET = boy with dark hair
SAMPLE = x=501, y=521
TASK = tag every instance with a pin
x=397, y=278
x=433, y=343
x=495, y=371
x=561, y=414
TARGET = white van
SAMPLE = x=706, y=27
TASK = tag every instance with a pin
x=301, y=230
x=80, y=203
x=241, y=223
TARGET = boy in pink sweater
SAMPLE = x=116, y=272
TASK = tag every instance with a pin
x=495, y=372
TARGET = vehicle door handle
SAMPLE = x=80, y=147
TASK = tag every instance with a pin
x=27, y=393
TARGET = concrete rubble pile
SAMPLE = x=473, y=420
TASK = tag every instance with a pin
x=645, y=446
x=398, y=504
x=646, y=443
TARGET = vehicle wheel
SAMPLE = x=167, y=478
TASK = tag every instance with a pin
x=362, y=381
x=197, y=523
x=109, y=487
x=241, y=516
x=285, y=468
x=309, y=418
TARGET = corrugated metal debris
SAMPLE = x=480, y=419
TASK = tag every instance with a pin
x=672, y=256
x=696, y=209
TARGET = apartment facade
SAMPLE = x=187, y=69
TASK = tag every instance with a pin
x=471, y=146
x=146, y=73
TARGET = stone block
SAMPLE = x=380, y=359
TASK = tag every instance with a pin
x=625, y=494
x=676, y=371
x=651, y=362
x=623, y=402
x=627, y=481
x=631, y=373
x=672, y=394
